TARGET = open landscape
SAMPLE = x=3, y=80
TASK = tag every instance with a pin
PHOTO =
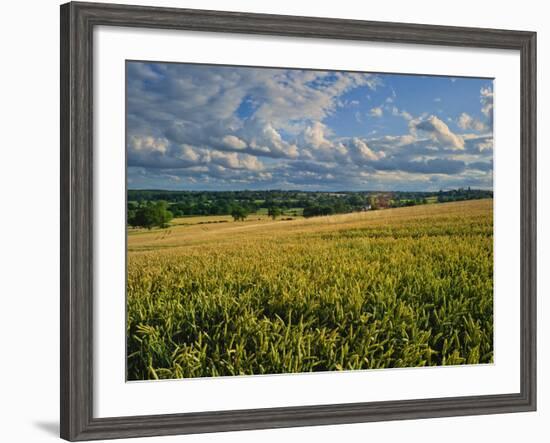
x=286, y=220
x=402, y=287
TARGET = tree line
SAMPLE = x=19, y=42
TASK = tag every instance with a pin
x=150, y=208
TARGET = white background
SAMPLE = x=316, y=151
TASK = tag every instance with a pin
x=29, y=250
x=113, y=397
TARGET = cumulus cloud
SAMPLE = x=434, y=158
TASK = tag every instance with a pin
x=396, y=112
x=361, y=151
x=233, y=160
x=187, y=152
x=234, y=142
x=439, y=132
x=486, y=99
x=376, y=112
x=485, y=145
x=212, y=126
x=203, y=106
x=466, y=121
x=487, y=104
x=314, y=135
x=149, y=144
x=264, y=139
x=159, y=153
x=389, y=141
x=305, y=95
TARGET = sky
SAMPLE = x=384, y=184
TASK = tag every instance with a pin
x=210, y=127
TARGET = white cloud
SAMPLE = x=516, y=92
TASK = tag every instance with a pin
x=466, y=121
x=217, y=125
x=149, y=144
x=376, y=112
x=361, y=151
x=234, y=142
x=314, y=136
x=392, y=97
x=486, y=145
x=401, y=113
x=438, y=131
x=486, y=99
x=188, y=153
x=198, y=106
x=276, y=143
x=305, y=95
x=399, y=140
x=233, y=160
x=319, y=145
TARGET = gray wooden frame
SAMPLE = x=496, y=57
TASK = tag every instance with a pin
x=77, y=23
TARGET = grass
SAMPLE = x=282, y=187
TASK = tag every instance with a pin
x=393, y=288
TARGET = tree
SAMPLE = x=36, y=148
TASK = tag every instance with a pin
x=162, y=214
x=373, y=202
x=150, y=214
x=315, y=210
x=239, y=213
x=356, y=201
x=311, y=211
x=274, y=212
x=143, y=217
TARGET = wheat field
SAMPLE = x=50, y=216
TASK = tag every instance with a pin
x=402, y=287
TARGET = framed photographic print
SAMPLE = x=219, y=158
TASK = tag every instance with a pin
x=272, y=221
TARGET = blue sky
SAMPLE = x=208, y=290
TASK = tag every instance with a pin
x=208, y=127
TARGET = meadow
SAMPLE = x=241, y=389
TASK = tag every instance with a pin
x=403, y=287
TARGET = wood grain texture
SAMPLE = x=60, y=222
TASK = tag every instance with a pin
x=76, y=307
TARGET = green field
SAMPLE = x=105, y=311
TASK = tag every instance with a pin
x=402, y=287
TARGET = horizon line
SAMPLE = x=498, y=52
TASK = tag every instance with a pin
x=302, y=190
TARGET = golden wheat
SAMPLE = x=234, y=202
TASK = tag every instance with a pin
x=392, y=288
